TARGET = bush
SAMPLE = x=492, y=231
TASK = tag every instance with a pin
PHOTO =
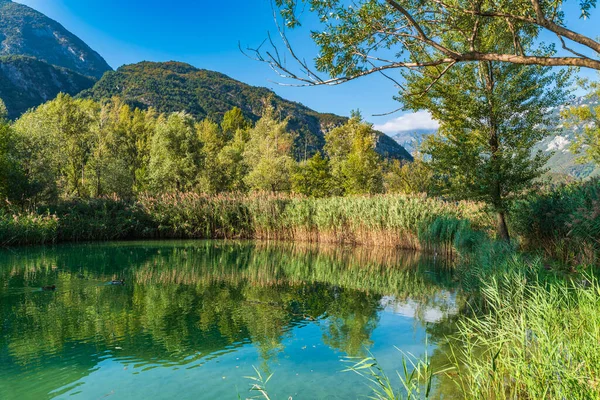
x=101, y=219
x=564, y=221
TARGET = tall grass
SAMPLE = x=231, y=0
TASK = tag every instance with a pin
x=563, y=221
x=27, y=228
x=537, y=340
x=410, y=222
x=386, y=220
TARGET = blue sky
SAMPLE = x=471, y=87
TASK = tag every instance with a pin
x=206, y=35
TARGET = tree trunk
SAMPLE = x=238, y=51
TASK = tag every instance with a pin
x=494, y=143
x=502, y=228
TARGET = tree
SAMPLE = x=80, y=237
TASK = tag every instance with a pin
x=491, y=116
x=233, y=121
x=355, y=165
x=362, y=169
x=378, y=36
x=3, y=111
x=268, y=154
x=231, y=160
x=121, y=149
x=313, y=177
x=212, y=178
x=175, y=154
x=584, y=120
x=13, y=183
x=409, y=178
x=56, y=142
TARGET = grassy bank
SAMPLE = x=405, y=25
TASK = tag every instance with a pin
x=537, y=338
x=412, y=222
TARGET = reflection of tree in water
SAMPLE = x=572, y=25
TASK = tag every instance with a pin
x=184, y=301
x=351, y=319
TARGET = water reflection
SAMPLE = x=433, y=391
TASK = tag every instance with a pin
x=194, y=317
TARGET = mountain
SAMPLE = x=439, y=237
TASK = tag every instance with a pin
x=562, y=164
x=175, y=86
x=26, y=82
x=27, y=32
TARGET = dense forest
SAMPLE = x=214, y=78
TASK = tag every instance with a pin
x=77, y=149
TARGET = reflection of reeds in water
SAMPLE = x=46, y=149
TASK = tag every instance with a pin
x=382, y=220
x=371, y=269
x=377, y=270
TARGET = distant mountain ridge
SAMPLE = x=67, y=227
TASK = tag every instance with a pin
x=26, y=82
x=175, y=86
x=27, y=32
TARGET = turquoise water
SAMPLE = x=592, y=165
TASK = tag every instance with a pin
x=194, y=319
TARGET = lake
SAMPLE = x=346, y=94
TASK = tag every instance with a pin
x=194, y=319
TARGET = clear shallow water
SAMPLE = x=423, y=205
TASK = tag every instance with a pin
x=194, y=318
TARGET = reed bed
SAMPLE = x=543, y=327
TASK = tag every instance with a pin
x=385, y=220
x=27, y=228
x=537, y=340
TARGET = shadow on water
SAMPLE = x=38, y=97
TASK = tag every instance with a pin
x=192, y=318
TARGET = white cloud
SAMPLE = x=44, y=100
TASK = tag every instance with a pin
x=409, y=123
x=558, y=143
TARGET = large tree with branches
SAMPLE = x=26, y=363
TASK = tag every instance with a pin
x=363, y=37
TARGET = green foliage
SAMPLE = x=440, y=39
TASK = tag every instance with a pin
x=233, y=121
x=409, y=178
x=231, y=161
x=27, y=228
x=386, y=220
x=175, y=154
x=491, y=116
x=417, y=378
x=73, y=148
x=3, y=110
x=488, y=127
x=174, y=87
x=373, y=37
x=12, y=178
x=212, y=178
x=118, y=163
x=587, y=139
x=544, y=333
x=100, y=219
x=268, y=154
x=56, y=142
x=564, y=221
x=355, y=166
x=313, y=177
